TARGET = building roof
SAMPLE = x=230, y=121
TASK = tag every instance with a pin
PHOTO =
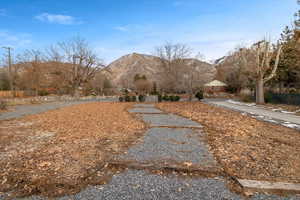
x=215, y=83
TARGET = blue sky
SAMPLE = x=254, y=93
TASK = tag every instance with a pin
x=118, y=27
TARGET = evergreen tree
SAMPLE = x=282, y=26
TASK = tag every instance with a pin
x=297, y=16
x=289, y=66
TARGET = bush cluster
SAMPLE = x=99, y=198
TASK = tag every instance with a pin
x=168, y=98
x=142, y=98
x=199, y=95
x=133, y=98
x=128, y=98
x=43, y=93
x=159, y=98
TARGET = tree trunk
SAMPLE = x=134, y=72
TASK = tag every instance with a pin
x=260, y=97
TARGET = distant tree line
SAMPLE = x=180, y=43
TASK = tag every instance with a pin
x=67, y=67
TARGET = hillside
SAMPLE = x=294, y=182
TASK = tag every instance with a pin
x=122, y=71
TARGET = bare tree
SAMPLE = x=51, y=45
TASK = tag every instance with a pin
x=262, y=54
x=101, y=84
x=172, y=61
x=83, y=61
x=236, y=68
x=31, y=62
x=142, y=85
x=192, y=76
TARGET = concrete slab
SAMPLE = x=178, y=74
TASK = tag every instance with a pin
x=144, y=105
x=169, y=120
x=169, y=145
x=266, y=185
x=145, y=110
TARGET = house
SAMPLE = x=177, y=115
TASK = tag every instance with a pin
x=215, y=86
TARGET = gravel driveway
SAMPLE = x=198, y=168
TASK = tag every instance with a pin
x=167, y=145
x=23, y=110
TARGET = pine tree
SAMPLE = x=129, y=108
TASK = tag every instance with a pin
x=289, y=66
x=297, y=25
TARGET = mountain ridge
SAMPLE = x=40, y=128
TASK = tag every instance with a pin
x=122, y=71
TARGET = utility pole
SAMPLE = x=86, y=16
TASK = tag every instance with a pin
x=10, y=69
x=36, y=74
x=75, y=76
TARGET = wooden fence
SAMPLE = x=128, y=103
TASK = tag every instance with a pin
x=10, y=94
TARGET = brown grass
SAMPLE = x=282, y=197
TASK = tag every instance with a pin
x=246, y=147
x=62, y=151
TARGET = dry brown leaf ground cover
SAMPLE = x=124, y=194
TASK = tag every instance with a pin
x=64, y=150
x=245, y=147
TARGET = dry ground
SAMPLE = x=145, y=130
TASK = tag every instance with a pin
x=60, y=151
x=245, y=147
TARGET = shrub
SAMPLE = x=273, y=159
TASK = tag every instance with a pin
x=3, y=105
x=126, y=92
x=199, y=95
x=292, y=91
x=121, y=99
x=247, y=98
x=43, y=93
x=127, y=98
x=269, y=97
x=159, y=98
x=133, y=98
x=171, y=98
x=142, y=98
x=166, y=98
x=177, y=98
x=231, y=89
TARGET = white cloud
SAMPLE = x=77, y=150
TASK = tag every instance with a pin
x=2, y=12
x=57, y=19
x=122, y=28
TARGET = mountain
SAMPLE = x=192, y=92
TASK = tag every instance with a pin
x=226, y=66
x=122, y=71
